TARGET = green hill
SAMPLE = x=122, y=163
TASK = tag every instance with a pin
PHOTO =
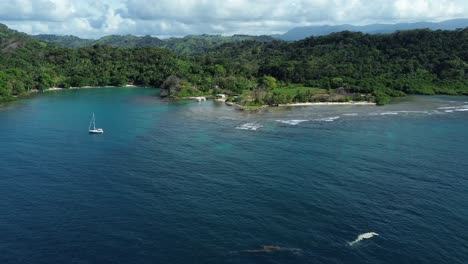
x=345, y=64
x=129, y=41
x=12, y=39
x=187, y=45
x=66, y=41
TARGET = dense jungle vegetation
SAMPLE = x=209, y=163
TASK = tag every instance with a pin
x=358, y=66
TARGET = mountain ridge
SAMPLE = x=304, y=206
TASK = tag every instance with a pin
x=299, y=33
x=190, y=44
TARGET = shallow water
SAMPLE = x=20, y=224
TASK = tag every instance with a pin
x=192, y=182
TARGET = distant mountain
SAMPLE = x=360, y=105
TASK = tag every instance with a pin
x=67, y=41
x=129, y=41
x=187, y=45
x=304, y=32
x=126, y=41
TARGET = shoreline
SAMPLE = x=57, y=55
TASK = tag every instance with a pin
x=237, y=106
x=88, y=87
x=328, y=103
x=246, y=108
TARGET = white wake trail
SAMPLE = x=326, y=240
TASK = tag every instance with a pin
x=362, y=237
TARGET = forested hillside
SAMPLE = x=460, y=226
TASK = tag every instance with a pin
x=410, y=62
x=407, y=62
x=188, y=45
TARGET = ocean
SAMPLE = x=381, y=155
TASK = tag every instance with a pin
x=189, y=182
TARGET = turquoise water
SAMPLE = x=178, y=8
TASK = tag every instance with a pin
x=190, y=182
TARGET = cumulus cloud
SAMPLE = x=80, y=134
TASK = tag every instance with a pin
x=90, y=18
x=37, y=10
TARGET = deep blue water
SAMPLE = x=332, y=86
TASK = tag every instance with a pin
x=191, y=182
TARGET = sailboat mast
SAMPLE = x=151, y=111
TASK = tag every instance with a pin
x=94, y=122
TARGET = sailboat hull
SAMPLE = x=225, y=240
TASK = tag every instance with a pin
x=96, y=131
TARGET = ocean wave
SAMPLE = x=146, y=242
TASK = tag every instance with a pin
x=351, y=114
x=446, y=107
x=448, y=111
x=327, y=119
x=388, y=113
x=362, y=237
x=412, y=112
x=460, y=108
x=293, y=122
x=383, y=113
x=249, y=126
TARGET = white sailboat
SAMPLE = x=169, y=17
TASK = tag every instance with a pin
x=92, y=127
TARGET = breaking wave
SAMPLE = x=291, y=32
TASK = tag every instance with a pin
x=446, y=107
x=388, y=113
x=293, y=122
x=327, y=119
x=249, y=126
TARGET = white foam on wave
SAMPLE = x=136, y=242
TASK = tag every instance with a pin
x=388, y=113
x=249, y=126
x=327, y=119
x=362, y=237
x=293, y=122
x=351, y=114
x=446, y=107
x=451, y=109
x=412, y=112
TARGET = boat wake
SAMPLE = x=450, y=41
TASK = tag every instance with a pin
x=362, y=237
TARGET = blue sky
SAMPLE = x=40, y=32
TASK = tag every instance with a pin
x=166, y=18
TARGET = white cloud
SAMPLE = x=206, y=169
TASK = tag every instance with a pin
x=37, y=10
x=91, y=18
x=409, y=9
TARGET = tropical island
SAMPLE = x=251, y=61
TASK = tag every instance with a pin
x=250, y=71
